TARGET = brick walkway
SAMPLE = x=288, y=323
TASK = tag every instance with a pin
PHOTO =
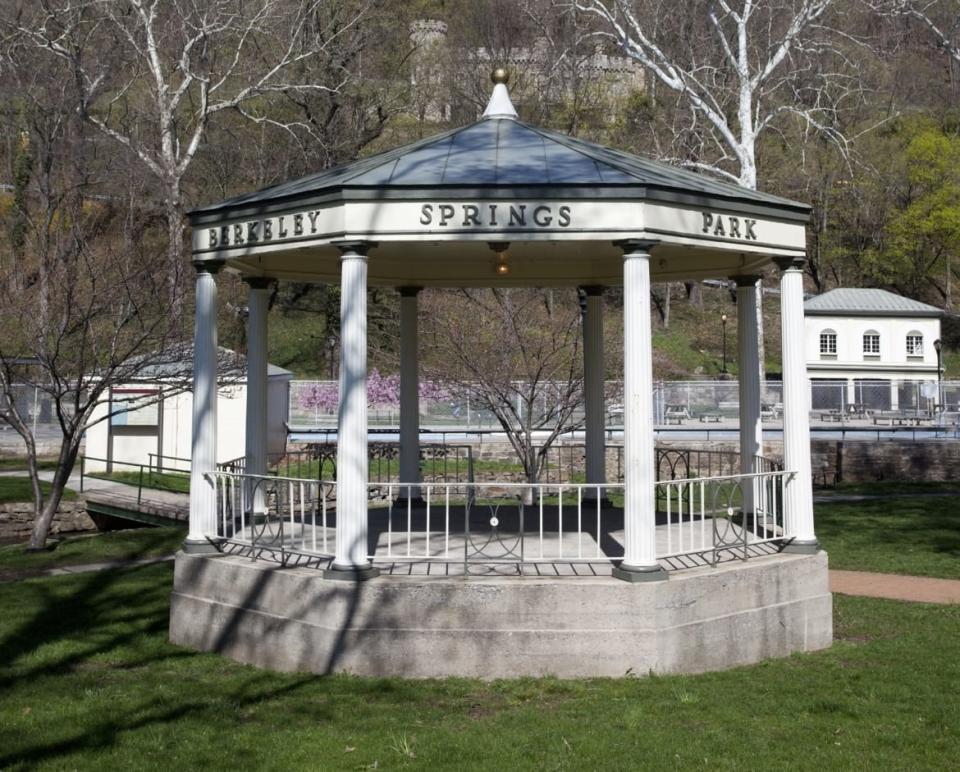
x=920, y=589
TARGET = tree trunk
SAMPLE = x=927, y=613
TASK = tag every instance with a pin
x=173, y=213
x=694, y=293
x=46, y=509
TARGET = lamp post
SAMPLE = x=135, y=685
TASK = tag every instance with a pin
x=723, y=323
x=937, y=345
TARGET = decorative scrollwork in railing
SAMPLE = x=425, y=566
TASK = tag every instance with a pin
x=727, y=517
x=489, y=541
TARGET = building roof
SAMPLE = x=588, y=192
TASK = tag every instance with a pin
x=500, y=153
x=178, y=363
x=866, y=302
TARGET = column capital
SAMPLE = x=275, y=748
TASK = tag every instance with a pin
x=745, y=281
x=790, y=263
x=634, y=246
x=258, y=282
x=208, y=266
x=354, y=249
x=592, y=290
x=409, y=292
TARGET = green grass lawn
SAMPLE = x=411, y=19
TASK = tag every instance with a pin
x=93, y=548
x=902, y=534
x=889, y=488
x=18, y=464
x=14, y=489
x=90, y=682
x=177, y=482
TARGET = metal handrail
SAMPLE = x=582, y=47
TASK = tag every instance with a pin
x=113, y=462
x=160, y=459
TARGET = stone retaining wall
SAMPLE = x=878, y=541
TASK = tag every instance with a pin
x=831, y=460
x=16, y=519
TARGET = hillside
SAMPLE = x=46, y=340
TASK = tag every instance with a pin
x=690, y=347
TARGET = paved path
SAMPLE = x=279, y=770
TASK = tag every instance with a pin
x=920, y=589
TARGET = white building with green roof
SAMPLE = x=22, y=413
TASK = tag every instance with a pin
x=871, y=348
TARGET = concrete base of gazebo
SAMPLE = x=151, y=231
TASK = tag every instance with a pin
x=705, y=618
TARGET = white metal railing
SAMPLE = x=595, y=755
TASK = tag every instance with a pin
x=276, y=514
x=706, y=514
x=496, y=523
x=499, y=523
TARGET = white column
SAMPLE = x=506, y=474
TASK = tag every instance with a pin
x=256, y=423
x=798, y=504
x=409, y=395
x=639, y=510
x=593, y=398
x=350, y=561
x=203, y=502
x=748, y=367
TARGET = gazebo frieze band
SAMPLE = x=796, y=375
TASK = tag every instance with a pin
x=500, y=203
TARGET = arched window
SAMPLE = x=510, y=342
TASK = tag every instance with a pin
x=828, y=344
x=871, y=344
x=915, y=344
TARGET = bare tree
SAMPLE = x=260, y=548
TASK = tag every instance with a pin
x=745, y=68
x=515, y=353
x=766, y=60
x=941, y=18
x=153, y=76
x=84, y=304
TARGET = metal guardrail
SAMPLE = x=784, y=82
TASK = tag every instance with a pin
x=144, y=475
x=490, y=524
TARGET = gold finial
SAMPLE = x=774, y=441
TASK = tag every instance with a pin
x=500, y=75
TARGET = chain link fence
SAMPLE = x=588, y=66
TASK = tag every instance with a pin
x=449, y=411
x=680, y=402
x=676, y=402
x=36, y=408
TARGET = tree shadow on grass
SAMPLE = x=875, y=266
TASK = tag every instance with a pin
x=107, y=621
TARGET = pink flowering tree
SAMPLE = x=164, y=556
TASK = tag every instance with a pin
x=383, y=393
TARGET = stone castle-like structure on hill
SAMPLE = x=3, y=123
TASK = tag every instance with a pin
x=610, y=78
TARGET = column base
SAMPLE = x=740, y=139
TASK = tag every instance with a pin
x=201, y=546
x=634, y=575
x=801, y=547
x=351, y=574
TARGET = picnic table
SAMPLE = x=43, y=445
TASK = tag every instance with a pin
x=831, y=415
x=710, y=418
x=675, y=414
x=889, y=418
x=768, y=410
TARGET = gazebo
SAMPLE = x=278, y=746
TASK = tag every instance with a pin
x=324, y=573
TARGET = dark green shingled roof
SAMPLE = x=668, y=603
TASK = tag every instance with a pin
x=509, y=156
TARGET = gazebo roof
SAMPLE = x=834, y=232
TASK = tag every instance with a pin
x=430, y=213
x=509, y=156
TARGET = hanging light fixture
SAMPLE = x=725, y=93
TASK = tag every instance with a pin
x=500, y=265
